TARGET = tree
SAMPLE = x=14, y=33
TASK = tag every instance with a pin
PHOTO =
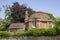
x=57, y=25
x=1, y=24
x=7, y=21
x=18, y=12
x=51, y=16
x=57, y=22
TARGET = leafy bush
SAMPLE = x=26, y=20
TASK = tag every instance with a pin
x=51, y=16
x=20, y=34
x=5, y=34
x=57, y=29
x=42, y=32
x=51, y=32
x=57, y=25
x=32, y=32
x=36, y=32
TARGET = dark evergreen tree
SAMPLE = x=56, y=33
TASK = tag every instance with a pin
x=18, y=12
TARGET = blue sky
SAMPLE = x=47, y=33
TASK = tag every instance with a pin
x=51, y=6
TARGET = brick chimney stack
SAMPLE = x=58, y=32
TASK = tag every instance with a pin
x=26, y=16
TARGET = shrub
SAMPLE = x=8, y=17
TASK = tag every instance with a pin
x=20, y=34
x=32, y=32
x=51, y=32
x=5, y=34
x=57, y=25
x=36, y=32
x=57, y=29
x=42, y=32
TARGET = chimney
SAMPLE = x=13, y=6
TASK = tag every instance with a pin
x=26, y=16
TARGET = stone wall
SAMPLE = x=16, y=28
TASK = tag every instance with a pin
x=31, y=38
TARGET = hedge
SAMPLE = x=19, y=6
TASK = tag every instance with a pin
x=57, y=29
x=36, y=32
x=5, y=34
x=42, y=32
x=51, y=32
x=32, y=32
x=19, y=34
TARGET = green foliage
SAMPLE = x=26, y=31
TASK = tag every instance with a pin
x=7, y=21
x=51, y=16
x=58, y=30
x=42, y=32
x=57, y=22
x=5, y=24
x=51, y=32
x=39, y=32
x=5, y=34
x=57, y=25
x=18, y=12
x=19, y=34
x=32, y=32
x=1, y=21
x=36, y=32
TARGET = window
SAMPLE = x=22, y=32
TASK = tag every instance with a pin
x=33, y=25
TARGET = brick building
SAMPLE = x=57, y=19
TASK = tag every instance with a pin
x=35, y=20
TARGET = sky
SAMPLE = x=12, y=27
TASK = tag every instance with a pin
x=50, y=6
